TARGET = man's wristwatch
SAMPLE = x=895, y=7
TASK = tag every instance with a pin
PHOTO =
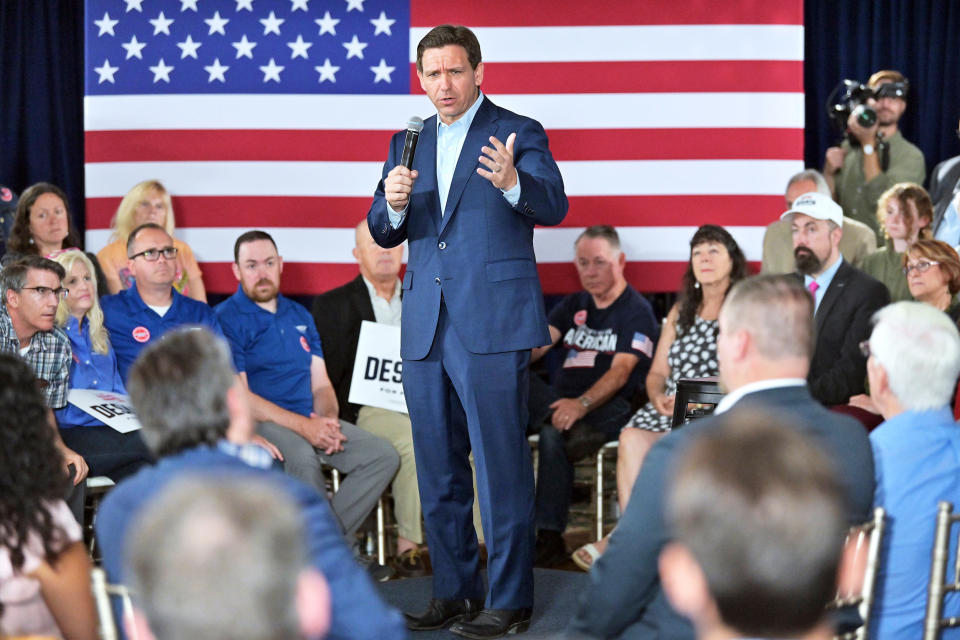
x=585, y=401
x=868, y=149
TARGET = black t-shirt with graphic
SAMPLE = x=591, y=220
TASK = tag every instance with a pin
x=591, y=337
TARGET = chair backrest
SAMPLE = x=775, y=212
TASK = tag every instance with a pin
x=702, y=393
x=102, y=591
x=938, y=587
x=866, y=537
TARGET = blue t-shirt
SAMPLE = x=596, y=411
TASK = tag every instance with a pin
x=274, y=349
x=591, y=337
x=133, y=325
x=88, y=370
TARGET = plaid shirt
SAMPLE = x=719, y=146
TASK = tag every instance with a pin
x=49, y=356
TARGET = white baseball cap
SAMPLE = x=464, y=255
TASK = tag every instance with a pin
x=816, y=205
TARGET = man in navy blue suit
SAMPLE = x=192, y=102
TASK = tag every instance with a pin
x=472, y=310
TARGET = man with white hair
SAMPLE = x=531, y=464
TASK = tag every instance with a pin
x=913, y=364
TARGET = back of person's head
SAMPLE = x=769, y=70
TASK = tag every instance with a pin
x=761, y=511
x=124, y=220
x=919, y=348
x=178, y=387
x=14, y=275
x=32, y=476
x=777, y=312
x=218, y=559
x=813, y=176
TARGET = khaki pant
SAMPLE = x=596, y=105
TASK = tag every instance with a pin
x=394, y=427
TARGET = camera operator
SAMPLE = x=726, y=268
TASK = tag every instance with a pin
x=874, y=158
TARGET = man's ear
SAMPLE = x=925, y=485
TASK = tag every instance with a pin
x=236, y=270
x=684, y=583
x=136, y=627
x=12, y=299
x=313, y=604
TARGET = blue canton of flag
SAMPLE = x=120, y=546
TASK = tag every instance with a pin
x=642, y=343
x=247, y=46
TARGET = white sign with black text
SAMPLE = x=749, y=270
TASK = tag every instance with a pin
x=378, y=370
x=112, y=409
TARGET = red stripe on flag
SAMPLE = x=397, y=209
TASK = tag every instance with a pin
x=371, y=146
x=660, y=76
x=620, y=211
x=649, y=277
x=426, y=13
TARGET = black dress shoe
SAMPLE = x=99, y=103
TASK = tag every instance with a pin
x=493, y=623
x=441, y=612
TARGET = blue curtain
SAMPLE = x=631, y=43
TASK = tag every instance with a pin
x=41, y=79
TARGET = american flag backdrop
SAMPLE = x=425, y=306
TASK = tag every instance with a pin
x=276, y=114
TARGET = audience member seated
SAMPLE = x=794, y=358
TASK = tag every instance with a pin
x=608, y=333
x=766, y=332
x=43, y=225
x=279, y=357
x=137, y=316
x=933, y=274
x=31, y=292
x=146, y=202
x=94, y=366
x=844, y=299
x=196, y=419
x=687, y=349
x=757, y=548
x=8, y=213
x=945, y=193
x=44, y=568
x=913, y=368
x=858, y=239
x=211, y=559
x=904, y=213
x=873, y=159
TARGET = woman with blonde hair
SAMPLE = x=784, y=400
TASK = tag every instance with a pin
x=148, y=201
x=107, y=451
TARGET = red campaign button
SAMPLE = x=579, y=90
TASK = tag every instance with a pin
x=141, y=334
x=580, y=317
x=304, y=344
x=5, y=194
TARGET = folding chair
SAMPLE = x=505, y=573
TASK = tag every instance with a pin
x=102, y=592
x=938, y=587
x=869, y=534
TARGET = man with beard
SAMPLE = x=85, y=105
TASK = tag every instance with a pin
x=879, y=156
x=279, y=357
x=844, y=298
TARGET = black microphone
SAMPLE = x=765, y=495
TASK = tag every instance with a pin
x=414, y=126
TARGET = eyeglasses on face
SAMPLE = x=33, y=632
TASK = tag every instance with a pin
x=921, y=266
x=43, y=292
x=865, y=348
x=152, y=255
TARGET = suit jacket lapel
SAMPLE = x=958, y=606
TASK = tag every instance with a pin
x=425, y=161
x=834, y=292
x=482, y=127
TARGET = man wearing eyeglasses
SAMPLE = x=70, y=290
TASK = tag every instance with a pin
x=137, y=316
x=31, y=293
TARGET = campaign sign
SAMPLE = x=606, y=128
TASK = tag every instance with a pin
x=378, y=370
x=112, y=409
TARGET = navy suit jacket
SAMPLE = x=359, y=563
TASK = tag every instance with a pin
x=944, y=184
x=623, y=597
x=479, y=253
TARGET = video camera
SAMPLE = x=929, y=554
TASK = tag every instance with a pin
x=850, y=97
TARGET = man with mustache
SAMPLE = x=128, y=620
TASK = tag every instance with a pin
x=278, y=355
x=873, y=159
x=844, y=298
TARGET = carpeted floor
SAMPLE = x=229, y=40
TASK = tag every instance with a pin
x=554, y=603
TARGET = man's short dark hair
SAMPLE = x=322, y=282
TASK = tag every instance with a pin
x=776, y=310
x=133, y=234
x=250, y=236
x=604, y=231
x=447, y=34
x=761, y=509
x=178, y=386
x=14, y=275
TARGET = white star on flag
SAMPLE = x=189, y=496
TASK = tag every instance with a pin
x=354, y=4
x=244, y=47
x=216, y=24
x=382, y=71
x=161, y=72
x=245, y=4
x=327, y=24
x=106, y=72
x=382, y=24
x=327, y=71
x=134, y=48
x=161, y=24
x=106, y=24
x=216, y=71
x=188, y=4
x=355, y=48
x=189, y=48
x=299, y=4
x=299, y=48
x=134, y=4
x=271, y=71
x=271, y=24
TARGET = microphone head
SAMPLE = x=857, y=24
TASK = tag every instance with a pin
x=415, y=123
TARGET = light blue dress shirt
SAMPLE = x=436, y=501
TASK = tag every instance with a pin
x=949, y=229
x=824, y=281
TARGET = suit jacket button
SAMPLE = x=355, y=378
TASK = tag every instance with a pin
x=442, y=245
x=437, y=280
